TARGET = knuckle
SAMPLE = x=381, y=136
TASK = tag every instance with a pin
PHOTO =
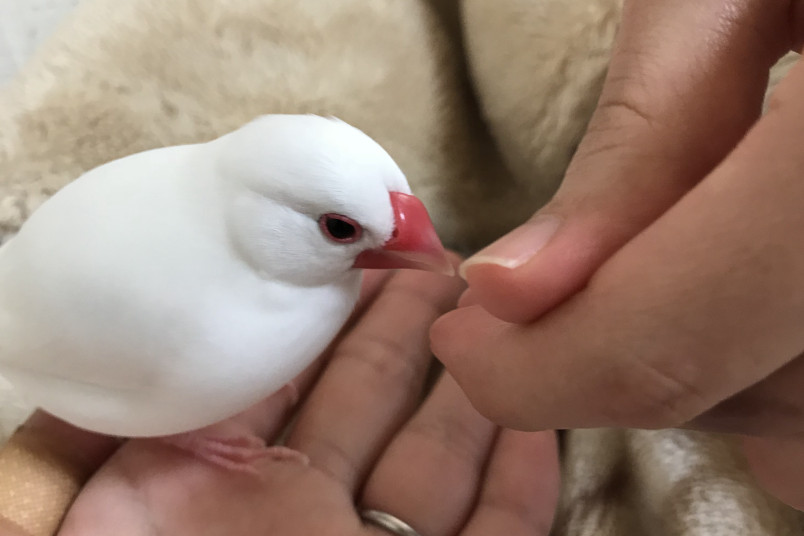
x=626, y=96
x=331, y=458
x=621, y=110
x=620, y=125
x=408, y=294
x=382, y=358
x=399, y=355
x=456, y=437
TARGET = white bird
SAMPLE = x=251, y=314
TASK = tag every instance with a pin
x=172, y=289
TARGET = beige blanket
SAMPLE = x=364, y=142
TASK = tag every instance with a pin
x=482, y=108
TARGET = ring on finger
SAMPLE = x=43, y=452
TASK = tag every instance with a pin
x=387, y=522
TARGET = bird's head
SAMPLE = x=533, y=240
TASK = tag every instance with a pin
x=313, y=198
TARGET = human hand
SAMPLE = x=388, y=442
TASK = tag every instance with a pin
x=440, y=466
x=664, y=284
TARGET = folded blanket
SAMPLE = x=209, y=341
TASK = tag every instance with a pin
x=126, y=75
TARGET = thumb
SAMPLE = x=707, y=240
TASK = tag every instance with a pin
x=686, y=80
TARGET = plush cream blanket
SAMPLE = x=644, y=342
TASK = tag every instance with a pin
x=481, y=102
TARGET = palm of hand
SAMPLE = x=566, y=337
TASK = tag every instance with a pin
x=152, y=489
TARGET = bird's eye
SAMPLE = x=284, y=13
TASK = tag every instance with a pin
x=340, y=229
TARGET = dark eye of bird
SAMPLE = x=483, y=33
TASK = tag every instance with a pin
x=339, y=228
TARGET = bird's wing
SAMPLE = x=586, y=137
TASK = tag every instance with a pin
x=37, y=331
x=79, y=288
x=15, y=343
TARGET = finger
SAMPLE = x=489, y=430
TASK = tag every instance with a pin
x=467, y=299
x=686, y=80
x=373, y=282
x=772, y=407
x=374, y=378
x=521, y=487
x=7, y=528
x=42, y=468
x=776, y=464
x=443, y=450
x=704, y=303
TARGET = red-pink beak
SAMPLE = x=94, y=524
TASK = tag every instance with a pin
x=413, y=244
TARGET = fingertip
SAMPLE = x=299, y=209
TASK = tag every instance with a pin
x=516, y=247
x=553, y=265
x=466, y=299
x=452, y=336
x=441, y=335
x=524, y=294
x=460, y=340
x=504, y=292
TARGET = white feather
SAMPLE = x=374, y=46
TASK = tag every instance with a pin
x=171, y=289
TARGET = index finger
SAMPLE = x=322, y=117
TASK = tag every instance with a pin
x=374, y=378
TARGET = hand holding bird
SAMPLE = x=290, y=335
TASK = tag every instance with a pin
x=370, y=447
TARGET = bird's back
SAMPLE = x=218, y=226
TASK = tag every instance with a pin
x=107, y=238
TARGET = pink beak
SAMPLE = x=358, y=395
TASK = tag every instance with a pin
x=413, y=244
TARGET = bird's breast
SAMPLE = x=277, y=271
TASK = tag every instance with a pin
x=245, y=348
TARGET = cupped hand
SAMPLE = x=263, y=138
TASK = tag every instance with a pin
x=438, y=465
x=664, y=284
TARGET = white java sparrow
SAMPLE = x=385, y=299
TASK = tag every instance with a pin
x=171, y=289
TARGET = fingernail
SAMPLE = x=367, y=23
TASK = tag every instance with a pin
x=517, y=247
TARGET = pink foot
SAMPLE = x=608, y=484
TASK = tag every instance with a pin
x=236, y=453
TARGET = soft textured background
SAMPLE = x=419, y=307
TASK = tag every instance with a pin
x=483, y=111
x=24, y=24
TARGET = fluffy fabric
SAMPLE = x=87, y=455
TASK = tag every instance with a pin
x=539, y=85
x=128, y=75
x=423, y=77
x=23, y=27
